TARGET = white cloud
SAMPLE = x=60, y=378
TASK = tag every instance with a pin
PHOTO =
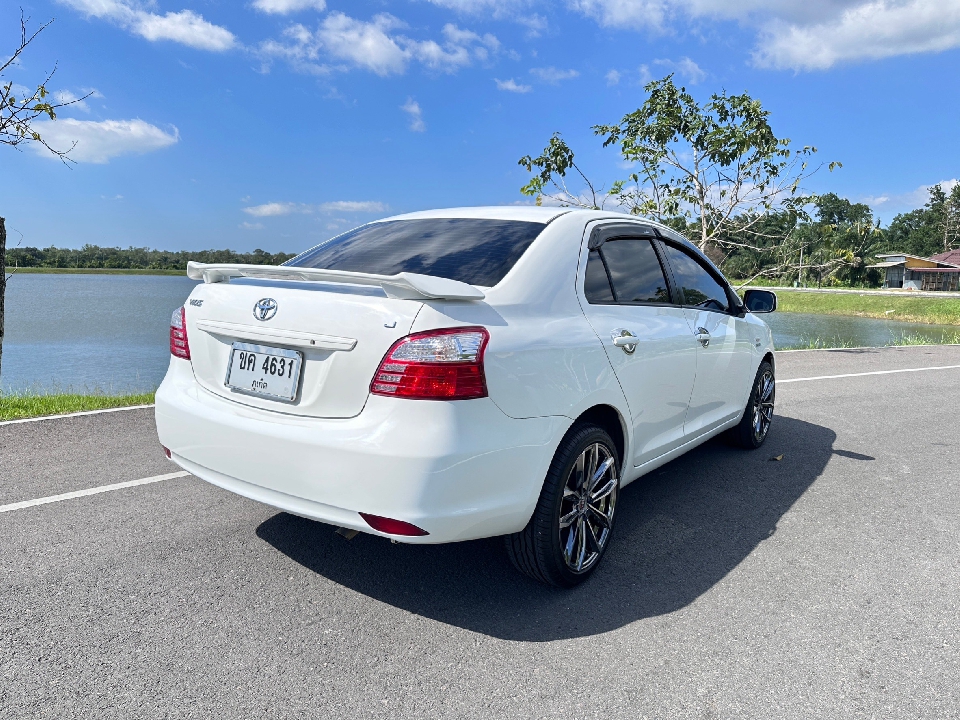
x=185, y=27
x=250, y=226
x=910, y=200
x=366, y=206
x=377, y=46
x=613, y=77
x=299, y=48
x=275, y=209
x=684, y=68
x=554, y=75
x=285, y=7
x=496, y=8
x=868, y=31
x=631, y=14
x=516, y=10
x=535, y=24
x=412, y=108
x=809, y=35
x=365, y=44
x=98, y=142
x=512, y=85
x=658, y=14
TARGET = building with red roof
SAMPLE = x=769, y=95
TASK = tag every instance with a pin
x=940, y=272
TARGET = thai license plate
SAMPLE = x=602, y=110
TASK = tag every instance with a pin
x=264, y=370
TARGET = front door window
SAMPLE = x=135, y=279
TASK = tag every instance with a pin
x=725, y=348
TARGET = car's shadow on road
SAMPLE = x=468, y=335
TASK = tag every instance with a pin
x=679, y=531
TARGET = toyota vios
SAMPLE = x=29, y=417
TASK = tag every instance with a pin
x=459, y=374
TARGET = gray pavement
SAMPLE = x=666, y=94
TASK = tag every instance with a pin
x=825, y=584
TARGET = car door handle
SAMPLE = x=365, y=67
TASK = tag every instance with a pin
x=624, y=339
x=703, y=336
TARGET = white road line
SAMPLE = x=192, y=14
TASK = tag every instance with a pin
x=74, y=414
x=90, y=491
x=875, y=372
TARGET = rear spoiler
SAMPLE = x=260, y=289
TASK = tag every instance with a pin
x=405, y=286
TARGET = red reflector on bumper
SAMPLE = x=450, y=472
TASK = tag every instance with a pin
x=391, y=526
x=166, y=451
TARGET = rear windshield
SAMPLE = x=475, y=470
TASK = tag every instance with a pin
x=479, y=252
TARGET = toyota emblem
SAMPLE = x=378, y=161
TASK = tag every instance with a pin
x=265, y=309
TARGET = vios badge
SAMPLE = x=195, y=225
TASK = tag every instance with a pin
x=265, y=309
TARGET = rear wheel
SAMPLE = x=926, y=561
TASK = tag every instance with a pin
x=758, y=415
x=572, y=523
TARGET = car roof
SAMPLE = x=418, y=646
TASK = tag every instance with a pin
x=528, y=213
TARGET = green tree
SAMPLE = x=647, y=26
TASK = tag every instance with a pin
x=932, y=229
x=717, y=165
x=19, y=113
x=945, y=209
x=854, y=235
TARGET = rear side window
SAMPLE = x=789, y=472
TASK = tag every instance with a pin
x=596, y=285
x=475, y=251
x=631, y=264
x=698, y=287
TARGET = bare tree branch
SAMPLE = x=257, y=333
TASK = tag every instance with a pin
x=18, y=115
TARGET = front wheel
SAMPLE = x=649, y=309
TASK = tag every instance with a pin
x=571, y=525
x=758, y=415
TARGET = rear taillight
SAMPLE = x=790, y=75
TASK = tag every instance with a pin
x=179, y=345
x=435, y=365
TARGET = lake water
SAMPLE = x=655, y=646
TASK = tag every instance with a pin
x=800, y=329
x=89, y=332
x=110, y=333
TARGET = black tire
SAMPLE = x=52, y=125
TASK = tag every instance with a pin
x=758, y=415
x=566, y=555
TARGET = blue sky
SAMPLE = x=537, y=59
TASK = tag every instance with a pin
x=278, y=123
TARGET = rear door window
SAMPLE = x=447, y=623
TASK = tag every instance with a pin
x=471, y=250
x=698, y=288
x=625, y=271
x=596, y=284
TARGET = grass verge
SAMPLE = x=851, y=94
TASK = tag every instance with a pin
x=886, y=307
x=16, y=406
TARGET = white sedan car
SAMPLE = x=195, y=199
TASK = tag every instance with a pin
x=459, y=374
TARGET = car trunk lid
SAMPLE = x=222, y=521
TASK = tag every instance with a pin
x=342, y=332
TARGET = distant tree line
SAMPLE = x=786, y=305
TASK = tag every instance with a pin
x=838, y=239
x=132, y=258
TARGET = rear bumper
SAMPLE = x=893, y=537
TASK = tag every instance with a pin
x=459, y=470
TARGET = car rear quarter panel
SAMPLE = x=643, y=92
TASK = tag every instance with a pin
x=543, y=357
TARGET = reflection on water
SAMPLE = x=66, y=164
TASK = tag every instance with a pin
x=111, y=332
x=792, y=330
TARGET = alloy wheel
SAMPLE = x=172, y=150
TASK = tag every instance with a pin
x=587, y=507
x=763, y=405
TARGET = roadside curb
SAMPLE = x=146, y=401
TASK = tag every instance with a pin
x=74, y=414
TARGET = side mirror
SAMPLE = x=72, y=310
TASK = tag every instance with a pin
x=760, y=301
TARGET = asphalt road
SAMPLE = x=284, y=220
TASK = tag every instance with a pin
x=822, y=585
